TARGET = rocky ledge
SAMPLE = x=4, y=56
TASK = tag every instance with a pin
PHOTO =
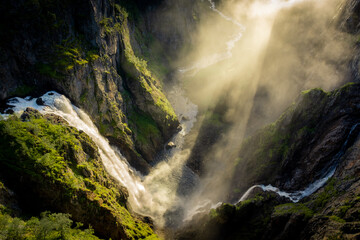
x=52, y=166
x=319, y=131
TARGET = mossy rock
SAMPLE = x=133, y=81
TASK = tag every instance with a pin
x=57, y=167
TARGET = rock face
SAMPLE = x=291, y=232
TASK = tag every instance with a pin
x=52, y=166
x=213, y=129
x=88, y=50
x=170, y=145
x=320, y=130
x=298, y=58
x=295, y=150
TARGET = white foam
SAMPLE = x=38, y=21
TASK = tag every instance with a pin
x=152, y=195
x=313, y=187
x=210, y=60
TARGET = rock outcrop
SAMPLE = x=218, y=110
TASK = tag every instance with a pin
x=52, y=166
x=298, y=57
x=303, y=143
x=88, y=50
x=316, y=133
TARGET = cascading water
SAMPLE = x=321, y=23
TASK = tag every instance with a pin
x=295, y=197
x=158, y=192
x=164, y=179
x=247, y=56
x=258, y=9
x=113, y=161
x=208, y=61
x=313, y=187
x=152, y=195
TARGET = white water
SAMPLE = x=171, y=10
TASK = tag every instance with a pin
x=151, y=195
x=208, y=61
x=313, y=187
x=164, y=179
x=260, y=12
x=113, y=161
x=258, y=9
x=156, y=193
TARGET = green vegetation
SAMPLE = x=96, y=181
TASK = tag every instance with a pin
x=293, y=208
x=72, y=52
x=23, y=90
x=135, y=66
x=214, y=119
x=83, y=96
x=144, y=127
x=305, y=92
x=139, y=64
x=324, y=196
x=337, y=219
x=48, y=70
x=270, y=146
x=59, y=157
x=106, y=23
x=49, y=226
x=258, y=198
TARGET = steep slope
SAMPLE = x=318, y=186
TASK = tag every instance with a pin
x=52, y=166
x=300, y=57
x=316, y=135
x=84, y=49
x=302, y=144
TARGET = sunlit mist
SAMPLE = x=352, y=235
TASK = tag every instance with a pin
x=241, y=47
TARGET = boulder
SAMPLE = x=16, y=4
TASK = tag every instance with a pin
x=40, y=102
x=170, y=145
x=30, y=113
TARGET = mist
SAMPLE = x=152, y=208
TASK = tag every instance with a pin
x=187, y=113
x=253, y=59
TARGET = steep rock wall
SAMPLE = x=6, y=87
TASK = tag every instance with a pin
x=52, y=166
x=290, y=154
x=84, y=50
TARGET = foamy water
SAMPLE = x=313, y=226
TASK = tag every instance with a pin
x=259, y=9
x=313, y=187
x=156, y=193
x=151, y=195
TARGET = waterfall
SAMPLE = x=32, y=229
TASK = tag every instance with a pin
x=245, y=49
x=257, y=9
x=313, y=187
x=158, y=192
x=208, y=61
x=150, y=195
x=113, y=161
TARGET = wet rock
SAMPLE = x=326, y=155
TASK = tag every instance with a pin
x=96, y=88
x=37, y=189
x=9, y=111
x=184, y=118
x=30, y=113
x=55, y=119
x=170, y=145
x=40, y=102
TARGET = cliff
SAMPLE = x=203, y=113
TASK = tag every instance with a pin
x=52, y=166
x=89, y=51
x=317, y=133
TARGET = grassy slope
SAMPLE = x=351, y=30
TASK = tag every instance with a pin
x=65, y=160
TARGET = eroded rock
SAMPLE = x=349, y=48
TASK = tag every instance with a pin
x=170, y=145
